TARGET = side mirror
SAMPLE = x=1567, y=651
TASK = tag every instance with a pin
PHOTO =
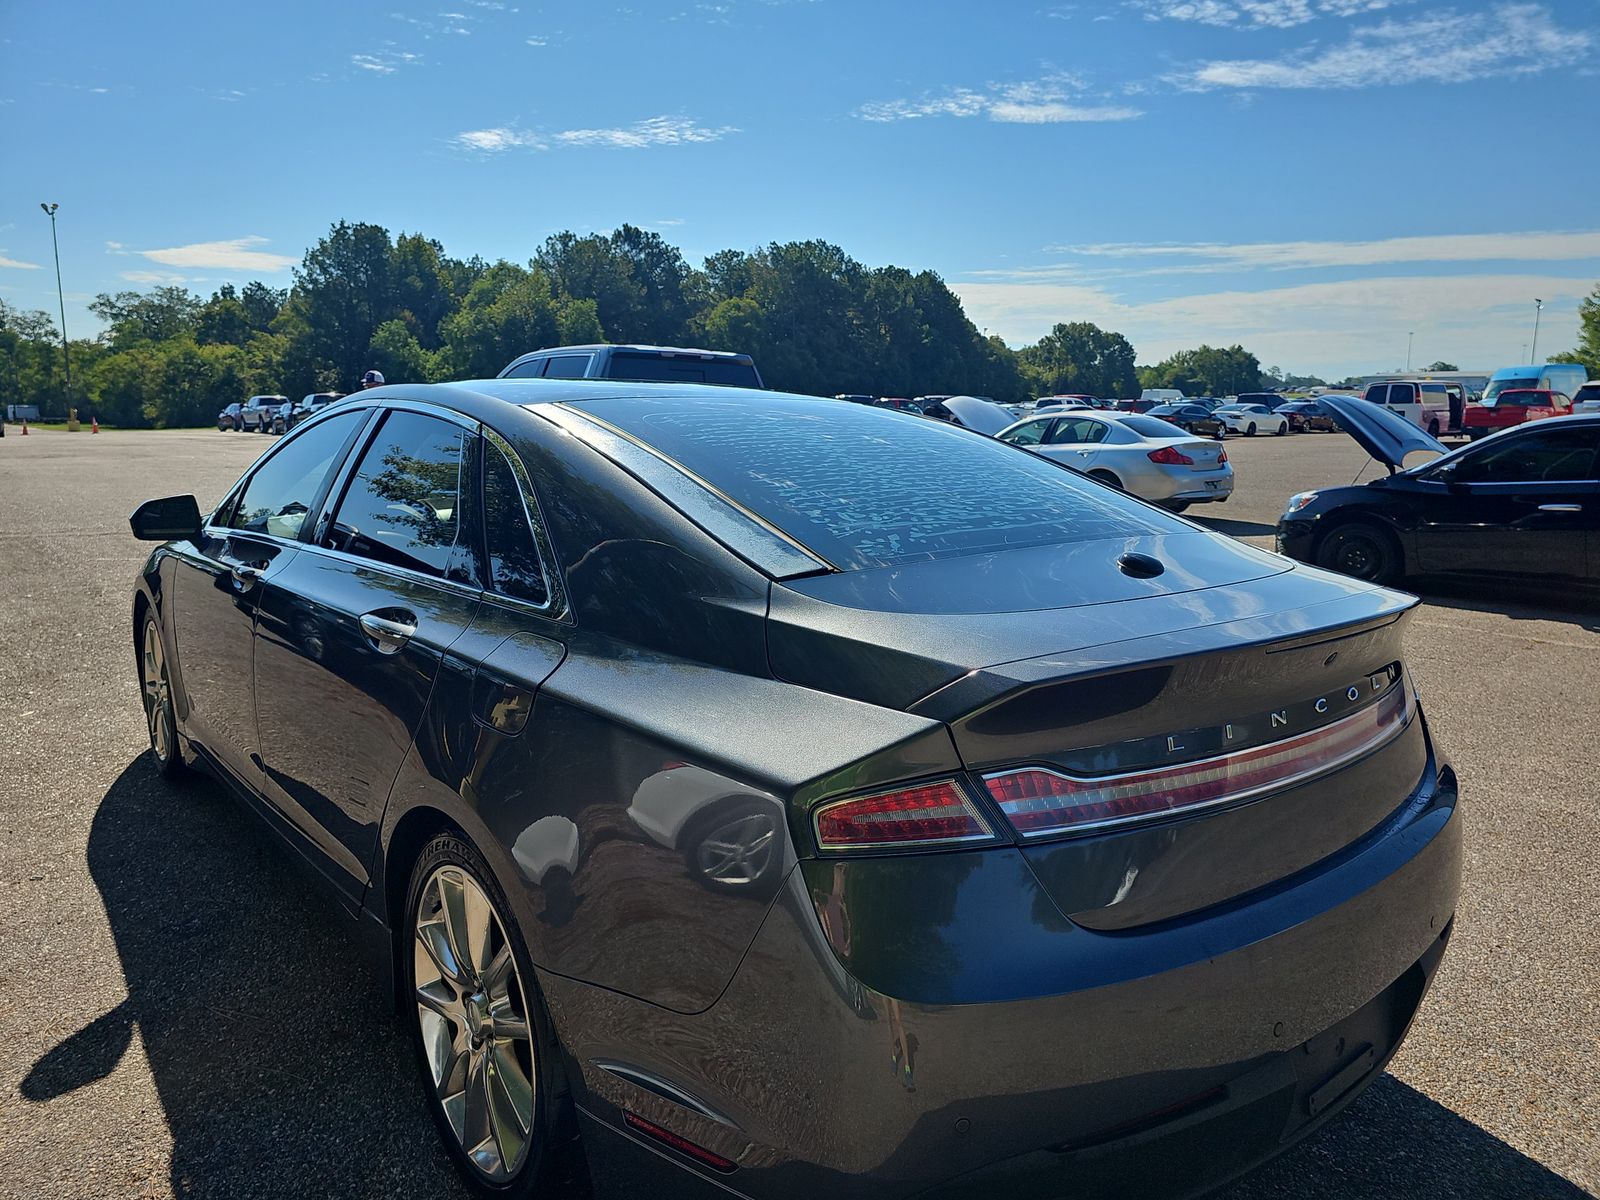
x=166, y=519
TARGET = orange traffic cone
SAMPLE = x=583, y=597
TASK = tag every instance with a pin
x=94, y=424
x=24, y=426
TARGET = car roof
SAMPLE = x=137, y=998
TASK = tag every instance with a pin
x=531, y=393
x=638, y=347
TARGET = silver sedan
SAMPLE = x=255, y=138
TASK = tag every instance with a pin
x=1144, y=456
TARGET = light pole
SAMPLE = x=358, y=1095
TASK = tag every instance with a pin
x=61, y=299
x=1409, y=336
x=1538, y=307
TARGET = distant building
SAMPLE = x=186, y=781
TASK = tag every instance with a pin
x=1473, y=381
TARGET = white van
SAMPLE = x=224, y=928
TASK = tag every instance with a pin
x=1162, y=396
x=1424, y=403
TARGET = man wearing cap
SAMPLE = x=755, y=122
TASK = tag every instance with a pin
x=372, y=379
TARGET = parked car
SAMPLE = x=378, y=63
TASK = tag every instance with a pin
x=1251, y=419
x=1513, y=406
x=1521, y=505
x=291, y=413
x=900, y=403
x=1162, y=396
x=1191, y=418
x=970, y=412
x=1307, y=416
x=1190, y=882
x=229, y=420
x=1142, y=455
x=1072, y=400
x=1270, y=400
x=1425, y=404
x=855, y=398
x=640, y=364
x=1587, y=398
x=257, y=412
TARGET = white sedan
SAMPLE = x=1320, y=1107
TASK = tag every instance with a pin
x=1251, y=419
x=1141, y=455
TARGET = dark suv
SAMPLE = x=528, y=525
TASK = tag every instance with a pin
x=643, y=364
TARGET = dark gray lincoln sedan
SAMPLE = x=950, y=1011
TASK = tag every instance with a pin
x=767, y=796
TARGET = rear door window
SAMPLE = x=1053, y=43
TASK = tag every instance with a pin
x=515, y=565
x=531, y=369
x=402, y=506
x=726, y=372
x=279, y=495
x=567, y=366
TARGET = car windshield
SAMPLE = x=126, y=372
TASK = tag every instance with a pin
x=1496, y=386
x=854, y=486
x=1150, y=427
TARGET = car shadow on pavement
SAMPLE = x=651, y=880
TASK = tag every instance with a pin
x=1395, y=1142
x=1521, y=603
x=282, y=1074
x=280, y=1070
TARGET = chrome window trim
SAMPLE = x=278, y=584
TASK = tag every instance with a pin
x=760, y=543
x=236, y=492
x=555, y=605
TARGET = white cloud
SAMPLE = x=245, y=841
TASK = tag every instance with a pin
x=537, y=41
x=16, y=264
x=492, y=141
x=1332, y=329
x=1050, y=100
x=235, y=254
x=1460, y=247
x=154, y=277
x=386, y=62
x=1255, y=14
x=1440, y=47
x=656, y=131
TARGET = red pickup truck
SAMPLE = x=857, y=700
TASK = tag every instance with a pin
x=1513, y=407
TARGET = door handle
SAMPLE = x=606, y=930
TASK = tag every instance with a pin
x=390, y=635
x=1566, y=508
x=247, y=575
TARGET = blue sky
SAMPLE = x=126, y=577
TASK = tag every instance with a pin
x=1312, y=178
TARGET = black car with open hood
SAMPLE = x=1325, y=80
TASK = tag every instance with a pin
x=1521, y=506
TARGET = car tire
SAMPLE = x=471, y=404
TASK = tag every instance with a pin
x=1283, y=429
x=1250, y=429
x=1363, y=551
x=1107, y=478
x=156, y=694
x=518, y=1139
x=736, y=847
x=1433, y=429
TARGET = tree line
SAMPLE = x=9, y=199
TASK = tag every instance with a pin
x=815, y=320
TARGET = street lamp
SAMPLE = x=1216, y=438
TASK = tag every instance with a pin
x=61, y=299
x=1409, y=336
x=1538, y=307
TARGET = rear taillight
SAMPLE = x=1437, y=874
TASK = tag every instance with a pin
x=928, y=815
x=1222, y=456
x=1038, y=801
x=1168, y=457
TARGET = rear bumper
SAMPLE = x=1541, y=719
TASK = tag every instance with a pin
x=1175, y=1055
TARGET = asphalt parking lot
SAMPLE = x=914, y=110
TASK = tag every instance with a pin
x=184, y=1016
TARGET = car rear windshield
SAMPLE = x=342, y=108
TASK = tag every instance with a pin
x=864, y=488
x=658, y=368
x=1150, y=427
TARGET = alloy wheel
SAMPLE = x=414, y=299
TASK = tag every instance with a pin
x=157, y=697
x=477, y=1038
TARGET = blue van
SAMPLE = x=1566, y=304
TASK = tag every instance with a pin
x=1565, y=378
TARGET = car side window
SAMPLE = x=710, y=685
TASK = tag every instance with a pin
x=1076, y=432
x=1542, y=456
x=278, y=496
x=402, y=505
x=515, y=566
x=1030, y=434
x=567, y=366
x=531, y=369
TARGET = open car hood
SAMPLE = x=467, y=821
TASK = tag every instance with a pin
x=1382, y=434
x=979, y=415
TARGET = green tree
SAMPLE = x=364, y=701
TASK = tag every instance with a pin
x=1441, y=365
x=1081, y=358
x=1587, y=351
x=396, y=352
x=507, y=311
x=578, y=322
x=223, y=320
x=342, y=294
x=1208, y=371
x=154, y=316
